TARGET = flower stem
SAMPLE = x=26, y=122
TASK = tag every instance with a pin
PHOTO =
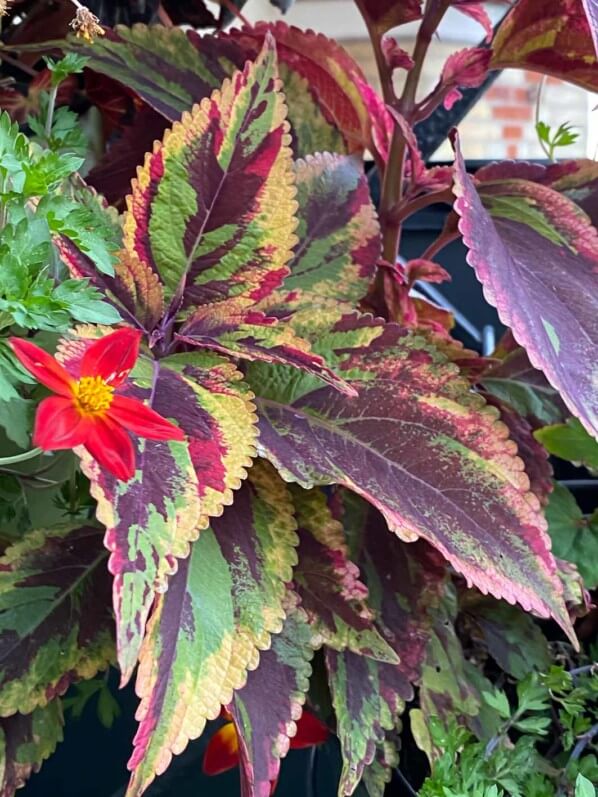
x=50, y=113
x=20, y=457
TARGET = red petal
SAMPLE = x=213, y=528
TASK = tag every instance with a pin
x=43, y=366
x=113, y=356
x=222, y=752
x=111, y=447
x=58, y=425
x=143, y=421
x=310, y=731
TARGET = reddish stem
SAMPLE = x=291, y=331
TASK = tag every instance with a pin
x=392, y=182
x=407, y=208
x=444, y=239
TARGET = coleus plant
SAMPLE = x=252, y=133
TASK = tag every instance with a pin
x=315, y=462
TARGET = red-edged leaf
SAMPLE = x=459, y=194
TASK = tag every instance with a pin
x=475, y=10
x=26, y=741
x=385, y=14
x=267, y=708
x=552, y=37
x=405, y=582
x=329, y=73
x=420, y=447
x=55, y=618
x=394, y=55
x=227, y=169
x=536, y=255
x=465, y=68
x=205, y=633
x=177, y=487
x=328, y=582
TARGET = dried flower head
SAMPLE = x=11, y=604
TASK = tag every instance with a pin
x=86, y=25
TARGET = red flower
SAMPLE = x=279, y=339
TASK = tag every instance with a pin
x=222, y=752
x=87, y=410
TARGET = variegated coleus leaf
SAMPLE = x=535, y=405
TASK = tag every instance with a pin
x=55, y=620
x=378, y=774
x=26, y=741
x=206, y=631
x=265, y=711
x=552, y=37
x=536, y=255
x=227, y=169
x=328, y=582
x=405, y=583
x=151, y=519
x=336, y=256
x=170, y=70
x=382, y=15
x=513, y=638
x=311, y=61
x=534, y=455
x=514, y=381
x=339, y=235
x=212, y=210
x=422, y=448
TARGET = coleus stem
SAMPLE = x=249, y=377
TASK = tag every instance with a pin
x=392, y=180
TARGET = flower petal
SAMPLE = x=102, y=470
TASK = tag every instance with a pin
x=58, y=425
x=142, y=420
x=43, y=366
x=111, y=447
x=222, y=752
x=310, y=731
x=112, y=356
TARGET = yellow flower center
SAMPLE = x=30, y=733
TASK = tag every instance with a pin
x=93, y=395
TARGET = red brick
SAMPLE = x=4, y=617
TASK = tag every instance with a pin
x=512, y=131
x=499, y=93
x=512, y=151
x=512, y=113
x=521, y=95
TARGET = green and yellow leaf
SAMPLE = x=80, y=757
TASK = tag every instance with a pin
x=206, y=632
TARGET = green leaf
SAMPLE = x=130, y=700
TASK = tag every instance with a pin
x=498, y=700
x=570, y=441
x=574, y=537
x=45, y=173
x=71, y=64
x=584, y=787
x=79, y=224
